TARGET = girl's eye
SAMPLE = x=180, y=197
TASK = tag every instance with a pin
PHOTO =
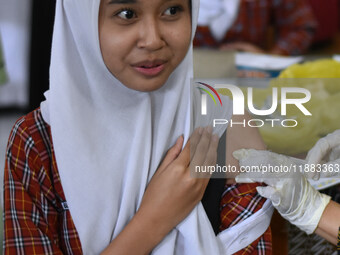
x=172, y=10
x=126, y=14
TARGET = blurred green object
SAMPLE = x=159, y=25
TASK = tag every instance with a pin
x=3, y=75
x=1, y=229
x=322, y=79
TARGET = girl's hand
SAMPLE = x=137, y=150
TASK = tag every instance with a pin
x=173, y=192
x=170, y=196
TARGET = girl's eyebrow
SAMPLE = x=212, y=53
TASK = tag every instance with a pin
x=122, y=2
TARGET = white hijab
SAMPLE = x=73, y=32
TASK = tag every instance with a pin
x=219, y=15
x=109, y=139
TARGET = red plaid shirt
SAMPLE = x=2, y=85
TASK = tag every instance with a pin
x=339, y=242
x=37, y=220
x=293, y=21
x=240, y=201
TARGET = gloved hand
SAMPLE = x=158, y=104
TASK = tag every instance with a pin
x=326, y=151
x=290, y=192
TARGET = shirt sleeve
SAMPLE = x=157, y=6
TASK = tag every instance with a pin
x=295, y=26
x=29, y=222
x=339, y=242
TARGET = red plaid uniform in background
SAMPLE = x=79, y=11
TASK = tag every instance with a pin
x=293, y=22
x=37, y=220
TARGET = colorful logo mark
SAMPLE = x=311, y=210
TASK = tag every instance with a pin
x=209, y=93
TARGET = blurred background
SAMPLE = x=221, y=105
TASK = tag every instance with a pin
x=25, y=47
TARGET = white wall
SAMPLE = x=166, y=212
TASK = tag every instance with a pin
x=15, y=16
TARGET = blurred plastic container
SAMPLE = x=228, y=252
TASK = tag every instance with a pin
x=250, y=65
x=322, y=79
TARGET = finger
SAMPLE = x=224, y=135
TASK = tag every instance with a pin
x=240, y=179
x=331, y=169
x=211, y=155
x=333, y=139
x=335, y=153
x=316, y=154
x=240, y=154
x=184, y=157
x=252, y=157
x=261, y=158
x=269, y=193
x=322, y=147
x=172, y=154
x=202, y=148
x=249, y=177
x=194, y=140
x=312, y=175
x=265, y=177
x=297, y=161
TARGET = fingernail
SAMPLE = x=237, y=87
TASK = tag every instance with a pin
x=179, y=139
x=215, y=138
x=242, y=179
x=237, y=154
x=209, y=129
x=260, y=191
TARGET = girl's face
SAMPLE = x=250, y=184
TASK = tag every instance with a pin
x=143, y=41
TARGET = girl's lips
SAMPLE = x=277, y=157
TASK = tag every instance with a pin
x=150, y=70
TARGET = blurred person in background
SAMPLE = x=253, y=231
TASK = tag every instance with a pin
x=244, y=25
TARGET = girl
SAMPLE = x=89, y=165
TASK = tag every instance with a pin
x=88, y=172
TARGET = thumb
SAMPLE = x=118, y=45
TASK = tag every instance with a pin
x=312, y=175
x=241, y=178
x=332, y=169
x=240, y=154
x=269, y=193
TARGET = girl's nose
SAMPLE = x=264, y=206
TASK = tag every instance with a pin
x=150, y=36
